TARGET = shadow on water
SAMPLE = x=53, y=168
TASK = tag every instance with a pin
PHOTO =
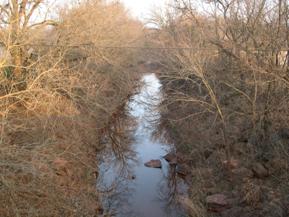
x=129, y=189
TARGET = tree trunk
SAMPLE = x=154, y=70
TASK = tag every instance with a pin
x=17, y=60
x=16, y=50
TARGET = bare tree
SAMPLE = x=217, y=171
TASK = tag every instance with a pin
x=17, y=20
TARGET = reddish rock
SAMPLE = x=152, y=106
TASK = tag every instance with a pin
x=154, y=164
x=260, y=171
x=217, y=202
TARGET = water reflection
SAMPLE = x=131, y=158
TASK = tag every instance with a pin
x=128, y=187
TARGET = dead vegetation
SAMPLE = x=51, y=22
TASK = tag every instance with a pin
x=226, y=104
x=61, y=81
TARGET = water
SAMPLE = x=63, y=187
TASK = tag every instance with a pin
x=129, y=189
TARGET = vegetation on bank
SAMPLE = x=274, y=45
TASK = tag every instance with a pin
x=61, y=82
x=226, y=101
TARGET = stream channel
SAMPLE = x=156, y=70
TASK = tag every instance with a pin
x=129, y=188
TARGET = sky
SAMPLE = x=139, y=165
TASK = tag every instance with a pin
x=139, y=8
x=142, y=8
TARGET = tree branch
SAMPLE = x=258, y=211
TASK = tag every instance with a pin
x=44, y=23
x=27, y=18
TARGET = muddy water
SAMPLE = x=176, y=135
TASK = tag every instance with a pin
x=129, y=189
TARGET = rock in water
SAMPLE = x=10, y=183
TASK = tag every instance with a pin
x=154, y=164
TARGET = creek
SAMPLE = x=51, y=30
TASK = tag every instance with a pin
x=129, y=188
